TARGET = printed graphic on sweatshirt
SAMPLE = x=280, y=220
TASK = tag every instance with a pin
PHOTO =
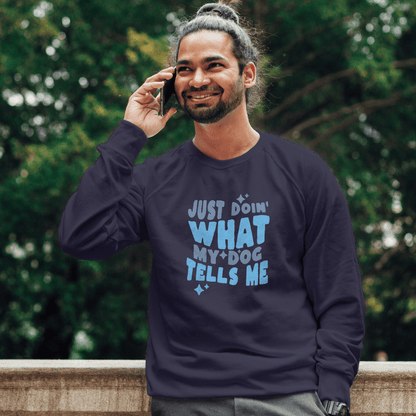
x=228, y=251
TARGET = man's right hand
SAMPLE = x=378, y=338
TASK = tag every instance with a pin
x=143, y=108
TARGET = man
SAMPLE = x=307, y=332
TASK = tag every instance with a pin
x=255, y=299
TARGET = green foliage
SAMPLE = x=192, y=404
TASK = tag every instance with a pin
x=67, y=69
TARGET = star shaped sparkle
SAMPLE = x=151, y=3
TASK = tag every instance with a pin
x=240, y=199
x=199, y=290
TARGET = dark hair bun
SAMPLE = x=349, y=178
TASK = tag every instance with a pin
x=219, y=10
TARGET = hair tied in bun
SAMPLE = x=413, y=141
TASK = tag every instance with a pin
x=222, y=9
x=230, y=2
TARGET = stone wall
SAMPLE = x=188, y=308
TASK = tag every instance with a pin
x=118, y=387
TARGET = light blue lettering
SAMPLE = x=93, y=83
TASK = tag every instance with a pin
x=235, y=209
x=245, y=208
x=200, y=269
x=210, y=277
x=211, y=210
x=192, y=212
x=202, y=209
x=213, y=255
x=191, y=266
x=260, y=207
x=233, y=276
x=200, y=254
x=263, y=276
x=202, y=234
x=226, y=234
x=245, y=236
x=245, y=256
x=256, y=254
x=221, y=279
x=220, y=206
x=252, y=275
x=232, y=258
x=260, y=221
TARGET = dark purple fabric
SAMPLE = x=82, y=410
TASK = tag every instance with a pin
x=255, y=286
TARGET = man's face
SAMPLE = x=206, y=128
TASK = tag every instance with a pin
x=207, y=66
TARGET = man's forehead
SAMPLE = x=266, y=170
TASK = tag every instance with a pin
x=205, y=46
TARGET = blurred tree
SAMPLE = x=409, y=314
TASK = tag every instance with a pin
x=346, y=89
x=342, y=82
x=67, y=69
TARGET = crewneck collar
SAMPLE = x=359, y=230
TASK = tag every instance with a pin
x=221, y=164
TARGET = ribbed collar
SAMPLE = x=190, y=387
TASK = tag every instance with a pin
x=222, y=164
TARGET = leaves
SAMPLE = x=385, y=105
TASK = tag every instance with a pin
x=341, y=81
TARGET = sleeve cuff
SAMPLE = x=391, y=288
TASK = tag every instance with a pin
x=334, y=386
x=127, y=140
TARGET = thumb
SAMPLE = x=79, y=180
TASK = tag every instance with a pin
x=169, y=114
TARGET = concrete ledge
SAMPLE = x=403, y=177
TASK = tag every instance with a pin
x=73, y=387
x=384, y=388
x=118, y=387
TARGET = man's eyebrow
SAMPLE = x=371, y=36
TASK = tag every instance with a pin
x=204, y=61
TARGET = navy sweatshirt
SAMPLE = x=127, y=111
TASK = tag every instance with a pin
x=255, y=287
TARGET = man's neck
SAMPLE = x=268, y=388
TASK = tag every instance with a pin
x=224, y=140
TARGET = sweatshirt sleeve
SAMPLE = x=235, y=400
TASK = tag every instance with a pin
x=106, y=213
x=333, y=282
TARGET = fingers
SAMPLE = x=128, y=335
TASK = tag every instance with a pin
x=172, y=111
x=143, y=98
x=155, y=81
x=161, y=76
x=148, y=88
x=146, y=98
x=151, y=87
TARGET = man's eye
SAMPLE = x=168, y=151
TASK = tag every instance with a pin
x=186, y=67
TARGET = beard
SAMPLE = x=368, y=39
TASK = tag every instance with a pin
x=211, y=113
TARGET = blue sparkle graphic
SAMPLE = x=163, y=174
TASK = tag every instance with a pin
x=199, y=290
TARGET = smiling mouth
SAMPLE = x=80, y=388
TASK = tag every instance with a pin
x=201, y=97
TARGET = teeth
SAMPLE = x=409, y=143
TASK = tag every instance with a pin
x=202, y=96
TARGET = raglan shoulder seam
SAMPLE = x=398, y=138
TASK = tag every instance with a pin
x=284, y=170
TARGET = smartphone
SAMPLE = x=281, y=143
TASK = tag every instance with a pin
x=167, y=91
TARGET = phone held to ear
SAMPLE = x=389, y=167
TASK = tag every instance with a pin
x=166, y=93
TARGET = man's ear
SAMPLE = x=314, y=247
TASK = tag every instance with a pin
x=249, y=75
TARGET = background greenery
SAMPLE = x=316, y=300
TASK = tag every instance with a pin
x=342, y=82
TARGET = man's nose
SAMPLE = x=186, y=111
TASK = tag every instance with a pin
x=199, y=78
